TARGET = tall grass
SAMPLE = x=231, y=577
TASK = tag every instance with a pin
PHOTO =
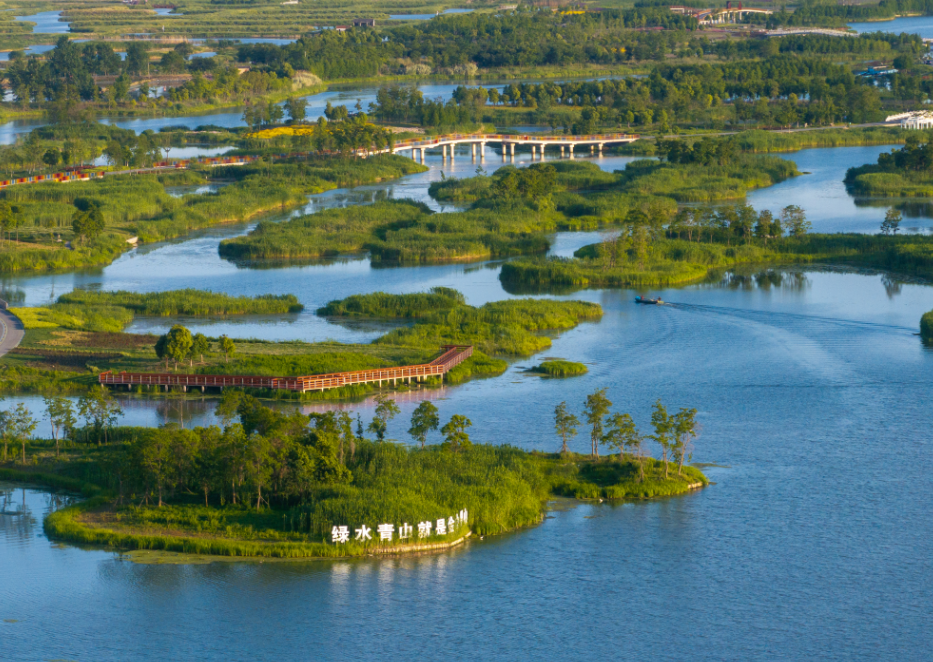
x=380, y=304
x=139, y=205
x=560, y=368
x=186, y=302
x=673, y=261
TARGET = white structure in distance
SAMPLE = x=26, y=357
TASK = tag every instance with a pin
x=915, y=119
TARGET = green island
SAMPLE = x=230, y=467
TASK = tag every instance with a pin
x=559, y=368
x=902, y=173
x=512, y=211
x=68, y=343
x=274, y=484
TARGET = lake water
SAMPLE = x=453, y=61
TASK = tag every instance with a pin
x=337, y=95
x=814, y=543
x=815, y=540
x=47, y=22
x=918, y=25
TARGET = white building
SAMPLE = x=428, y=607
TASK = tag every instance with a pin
x=916, y=119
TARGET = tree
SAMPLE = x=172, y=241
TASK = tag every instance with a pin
x=764, y=224
x=227, y=347
x=455, y=435
x=892, y=222
x=52, y=157
x=199, y=345
x=597, y=406
x=100, y=411
x=17, y=425
x=565, y=424
x=10, y=217
x=88, y=220
x=663, y=426
x=345, y=423
x=386, y=410
x=685, y=430
x=297, y=110
x=175, y=345
x=795, y=220
x=423, y=420
x=61, y=416
x=137, y=58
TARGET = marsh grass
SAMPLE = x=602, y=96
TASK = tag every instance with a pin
x=559, y=368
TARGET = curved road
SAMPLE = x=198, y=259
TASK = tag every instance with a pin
x=11, y=331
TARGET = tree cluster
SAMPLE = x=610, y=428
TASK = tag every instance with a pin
x=674, y=433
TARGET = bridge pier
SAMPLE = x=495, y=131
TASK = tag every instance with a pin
x=561, y=151
x=542, y=152
x=473, y=150
x=512, y=150
x=482, y=152
x=444, y=152
x=600, y=149
x=571, y=146
x=534, y=152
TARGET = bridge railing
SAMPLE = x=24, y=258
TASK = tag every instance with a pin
x=453, y=355
x=498, y=137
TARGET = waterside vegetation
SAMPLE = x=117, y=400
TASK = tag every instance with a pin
x=140, y=209
x=69, y=342
x=273, y=484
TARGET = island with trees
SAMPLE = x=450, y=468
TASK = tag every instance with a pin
x=269, y=483
x=69, y=343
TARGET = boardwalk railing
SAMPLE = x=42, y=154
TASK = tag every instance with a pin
x=453, y=355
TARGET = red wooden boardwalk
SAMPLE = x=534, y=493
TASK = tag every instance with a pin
x=452, y=356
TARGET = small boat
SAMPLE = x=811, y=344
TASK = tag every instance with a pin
x=656, y=300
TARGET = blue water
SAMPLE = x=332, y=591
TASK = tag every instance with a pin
x=47, y=22
x=815, y=542
x=918, y=25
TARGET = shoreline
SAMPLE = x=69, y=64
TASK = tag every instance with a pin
x=66, y=525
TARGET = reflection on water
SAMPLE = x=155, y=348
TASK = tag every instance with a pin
x=47, y=22
x=803, y=380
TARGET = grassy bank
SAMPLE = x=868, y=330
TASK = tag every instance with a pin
x=501, y=488
x=511, y=212
x=68, y=343
x=763, y=142
x=139, y=206
x=679, y=261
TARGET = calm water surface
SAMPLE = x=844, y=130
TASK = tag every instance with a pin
x=47, y=22
x=918, y=25
x=815, y=541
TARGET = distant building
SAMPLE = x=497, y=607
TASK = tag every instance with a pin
x=341, y=28
x=916, y=119
x=364, y=22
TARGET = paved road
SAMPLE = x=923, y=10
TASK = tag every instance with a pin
x=11, y=331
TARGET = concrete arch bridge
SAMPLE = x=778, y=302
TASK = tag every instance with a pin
x=566, y=144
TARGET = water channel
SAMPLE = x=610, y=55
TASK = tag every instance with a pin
x=814, y=542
